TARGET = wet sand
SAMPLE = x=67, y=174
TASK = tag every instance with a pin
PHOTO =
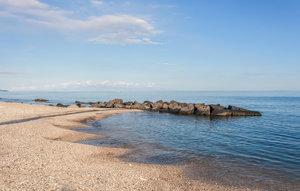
x=37, y=152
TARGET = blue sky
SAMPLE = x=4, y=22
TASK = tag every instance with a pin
x=150, y=45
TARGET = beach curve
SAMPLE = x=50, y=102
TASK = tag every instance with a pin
x=40, y=154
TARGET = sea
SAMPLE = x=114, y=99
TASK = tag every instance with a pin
x=257, y=151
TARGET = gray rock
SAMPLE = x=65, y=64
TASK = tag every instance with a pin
x=111, y=103
x=61, y=105
x=158, y=105
x=147, y=105
x=165, y=107
x=187, y=109
x=128, y=105
x=174, y=107
x=137, y=105
x=202, y=109
x=40, y=100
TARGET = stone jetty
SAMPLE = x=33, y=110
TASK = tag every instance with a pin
x=175, y=107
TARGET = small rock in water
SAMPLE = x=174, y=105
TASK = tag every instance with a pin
x=61, y=105
x=40, y=100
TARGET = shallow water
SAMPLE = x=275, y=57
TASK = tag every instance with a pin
x=167, y=138
x=261, y=148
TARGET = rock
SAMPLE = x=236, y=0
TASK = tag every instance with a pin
x=187, y=109
x=78, y=102
x=174, y=107
x=218, y=110
x=237, y=111
x=61, y=105
x=111, y=103
x=147, y=105
x=128, y=105
x=158, y=105
x=98, y=104
x=40, y=100
x=93, y=104
x=137, y=105
x=202, y=109
x=165, y=107
x=83, y=104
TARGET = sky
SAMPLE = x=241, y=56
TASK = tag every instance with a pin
x=48, y=45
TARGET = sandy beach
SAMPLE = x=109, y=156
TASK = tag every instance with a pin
x=37, y=152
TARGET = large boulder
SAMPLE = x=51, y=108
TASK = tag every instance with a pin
x=128, y=105
x=158, y=105
x=137, y=105
x=111, y=103
x=174, y=107
x=147, y=105
x=202, y=109
x=187, y=109
x=164, y=107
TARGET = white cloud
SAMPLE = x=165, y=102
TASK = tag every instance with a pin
x=24, y=3
x=168, y=64
x=119, y=38
x=97, y=2
x=115, y=29
x=87, y=85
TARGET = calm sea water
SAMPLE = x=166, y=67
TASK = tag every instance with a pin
x=271, y=141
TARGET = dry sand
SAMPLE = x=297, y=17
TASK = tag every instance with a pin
x=39, y=154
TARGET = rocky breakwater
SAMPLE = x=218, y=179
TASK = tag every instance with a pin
x=175, y=107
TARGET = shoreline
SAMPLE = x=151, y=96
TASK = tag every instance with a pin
x=238, y=171
x=41, y=154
